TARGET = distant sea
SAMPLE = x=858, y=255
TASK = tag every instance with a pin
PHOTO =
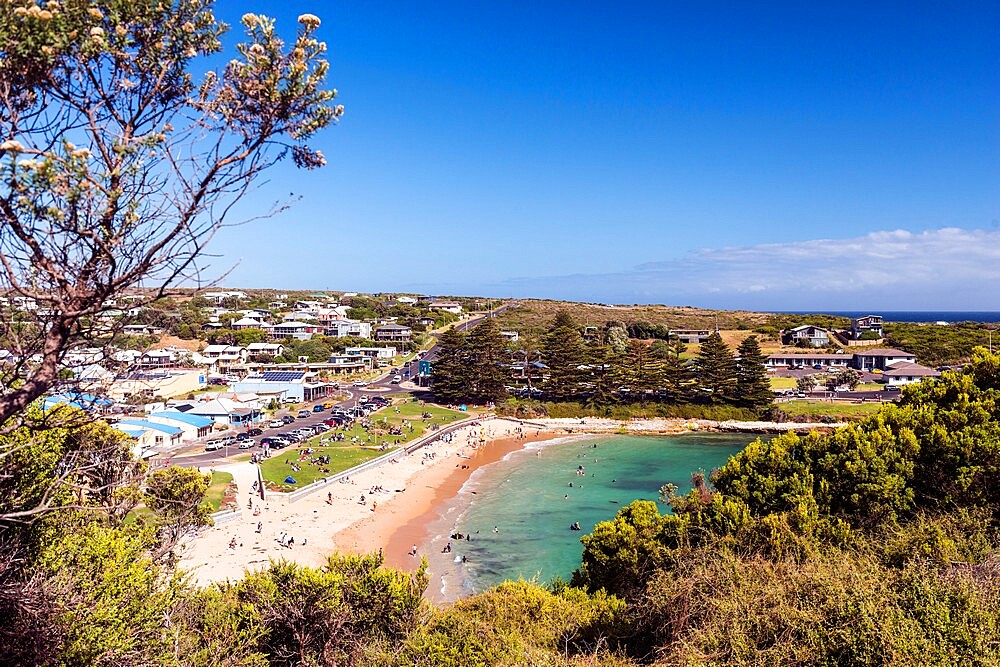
x=528, y=497
x=949, y=316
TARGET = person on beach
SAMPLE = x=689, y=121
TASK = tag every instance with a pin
x=413, y=550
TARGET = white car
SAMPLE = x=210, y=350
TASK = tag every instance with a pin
x=247, y=444
x=275, y=423
x=361, y=383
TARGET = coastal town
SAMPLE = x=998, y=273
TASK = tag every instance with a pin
x=495, y=335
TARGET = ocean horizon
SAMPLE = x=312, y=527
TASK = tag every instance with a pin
x=917, y=316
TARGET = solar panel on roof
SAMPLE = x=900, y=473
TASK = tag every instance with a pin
x=281, y=376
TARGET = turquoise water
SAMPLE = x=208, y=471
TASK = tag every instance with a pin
x=529, y=499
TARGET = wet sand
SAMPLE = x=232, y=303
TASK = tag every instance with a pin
x=404, y=525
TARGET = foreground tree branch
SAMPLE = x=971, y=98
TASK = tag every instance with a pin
x=118, y=165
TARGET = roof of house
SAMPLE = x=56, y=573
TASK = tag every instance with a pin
x=152, y=426
x=884, y=352
x=247, y=322
x=807, y=326
x=815, y=355
x=906, y=369
x=393, y=327
x=197, y=421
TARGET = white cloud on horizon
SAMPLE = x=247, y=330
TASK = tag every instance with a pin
x=940, y=269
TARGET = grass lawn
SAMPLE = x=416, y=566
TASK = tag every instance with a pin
x=217, y=489
x=783, y=383
x=346, y=454
x=813, y=409
x=870, y=386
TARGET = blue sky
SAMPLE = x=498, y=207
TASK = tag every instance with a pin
x=740, y=155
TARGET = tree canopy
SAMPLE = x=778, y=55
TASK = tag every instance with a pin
x=121, y=155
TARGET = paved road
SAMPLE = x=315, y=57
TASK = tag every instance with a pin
x=381, y=386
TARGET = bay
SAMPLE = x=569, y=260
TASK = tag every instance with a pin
x=533, y=497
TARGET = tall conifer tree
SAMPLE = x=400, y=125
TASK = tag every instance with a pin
x=717, y=370
x=450, y=370
x=565, y=352
x=753, y=388
x=486, y=353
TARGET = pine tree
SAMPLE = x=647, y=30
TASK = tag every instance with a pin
x=450, y=370
x=486, y=350
x=565, y=352
x=717, y=370
x=753, y=388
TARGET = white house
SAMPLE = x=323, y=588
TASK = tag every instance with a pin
x=905, y=372
x=344, y=328
x=446, y=306
x=297, y=330
x=272, y=349
x=373, y=352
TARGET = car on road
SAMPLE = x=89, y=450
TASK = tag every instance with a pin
x=242, y=436
x=287, y=419
x=361, y=383
x=255, y=432
x=247, y=444
x=303, y=413
x=317, y=408
x=327, y=405
x=218, y=443
x=275, y=423
x=396, y=379
x=892, y=387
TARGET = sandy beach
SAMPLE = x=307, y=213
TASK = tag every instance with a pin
x=392, y=519
x=401, y=511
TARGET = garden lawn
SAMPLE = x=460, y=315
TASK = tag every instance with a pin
x=346, y=454
x=217, y=489
x=839, y=410
x=783, y=383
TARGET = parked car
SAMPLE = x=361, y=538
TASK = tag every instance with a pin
x=302, y=413
x=287, y=419
x=242, y=436
x=275, y=423
x=317, y=408
x=279, y=443
x=247, y=444
x=291, y=399
x=892, y=387
x=218, y=381
x=219, y=443
x=327, y=405
x=255, y=432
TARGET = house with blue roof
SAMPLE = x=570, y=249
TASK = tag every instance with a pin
x=86, y=402
x=152, y=434
x=191, y=425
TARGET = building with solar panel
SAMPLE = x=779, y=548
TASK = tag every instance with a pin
x=284, y=386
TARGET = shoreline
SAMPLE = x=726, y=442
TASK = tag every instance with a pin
x=395, y=532
x=415, y=491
